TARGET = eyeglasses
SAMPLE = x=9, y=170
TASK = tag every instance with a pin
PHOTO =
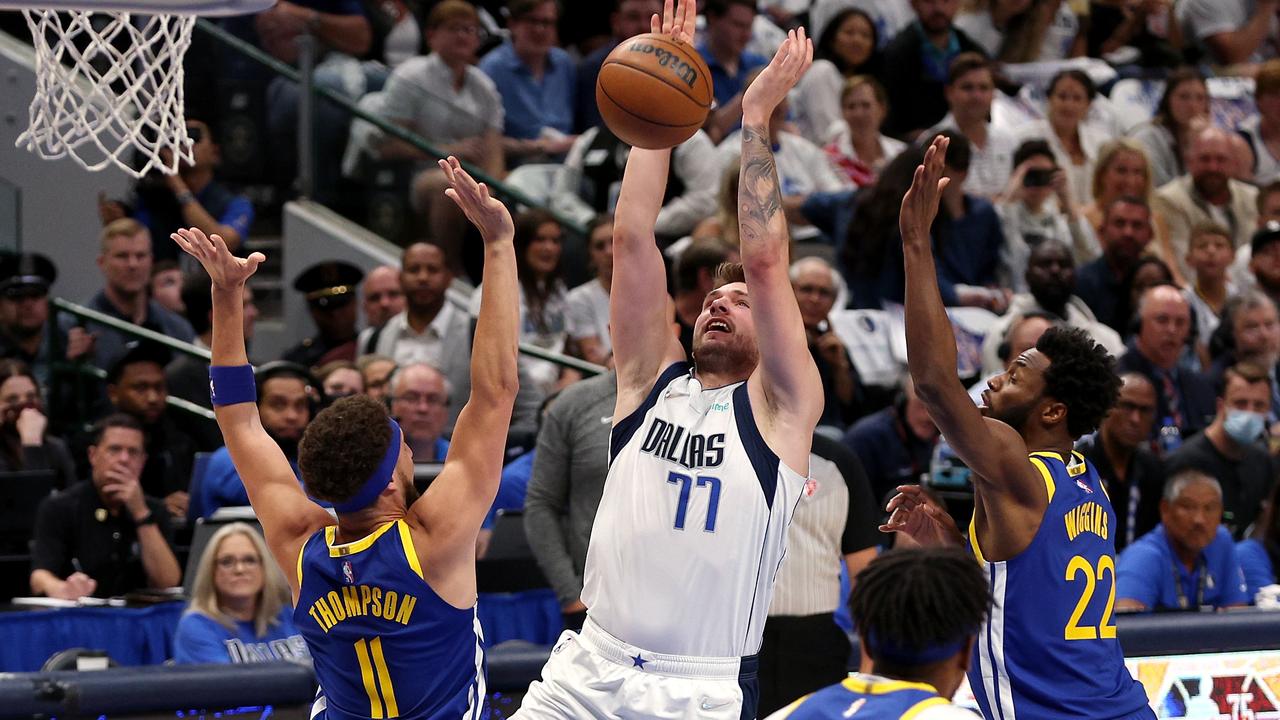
x=420, y=398
x=815, y=290
x=226, y=562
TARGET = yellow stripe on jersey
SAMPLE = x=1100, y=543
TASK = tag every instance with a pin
x=922, y=706
x=384, y=677
x=973, y=537
x=300, y=551
x=410, y=553
x=351, y=548
x=786, y=712
x=1044, y=470
x=883, y=687
x=366, y=675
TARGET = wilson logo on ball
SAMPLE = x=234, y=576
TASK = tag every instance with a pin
x=669, y=60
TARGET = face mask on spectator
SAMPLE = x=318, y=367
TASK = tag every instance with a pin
x=1243, y=426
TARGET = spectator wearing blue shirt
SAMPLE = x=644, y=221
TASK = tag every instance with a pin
x=536, y=80
x=724, y=48
x=915, y=67
x=191, y=198
x=1189, y=560
x=420, y=403
x=1102, y=284
x=628, y=19
x=240, y=610
x=125, y=262
x=287, y=398
x=895, y=444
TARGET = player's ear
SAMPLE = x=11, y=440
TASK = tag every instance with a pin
x=1054, y=412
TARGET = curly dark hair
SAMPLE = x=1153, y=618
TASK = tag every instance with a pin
x=342, y=447
x=1081, y=375
x=916, y=598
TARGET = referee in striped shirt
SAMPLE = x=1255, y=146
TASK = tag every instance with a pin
x=804, y=649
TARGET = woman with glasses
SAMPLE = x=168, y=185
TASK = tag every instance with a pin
x=25, y=443
x=240, y=610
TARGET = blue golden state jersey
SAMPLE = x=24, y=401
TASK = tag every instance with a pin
x=868, y=697
x=384, y=644
x=1048, y=649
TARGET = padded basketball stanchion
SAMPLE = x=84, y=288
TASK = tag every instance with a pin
x=109, y=79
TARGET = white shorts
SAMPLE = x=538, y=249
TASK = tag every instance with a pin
x=594, y=675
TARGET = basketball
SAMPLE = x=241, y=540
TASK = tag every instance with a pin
x=654, y=92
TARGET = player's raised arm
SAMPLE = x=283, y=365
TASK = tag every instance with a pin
x=452, y=509
x=994, y=451
x=639, y=326
x=287, y=515
x=789, y=377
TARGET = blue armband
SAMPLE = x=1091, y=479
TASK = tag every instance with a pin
x=232, y=384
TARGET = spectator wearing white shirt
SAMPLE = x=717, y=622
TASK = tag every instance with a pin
x=1184, y=104
x=587, y=184
x=447, y=100
x=855, y=144
x=1036, y=207
x=430, y=330
x=1074, y=140
x=803, y=169
x=1232, y=31
x=846, y=49
x=970, y=90
x=587, y=317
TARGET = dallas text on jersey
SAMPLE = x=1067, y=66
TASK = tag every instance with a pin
x=670, y=442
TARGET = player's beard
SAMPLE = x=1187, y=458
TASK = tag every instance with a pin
x=1015, y=417
x=411, y=493
x=737, y=357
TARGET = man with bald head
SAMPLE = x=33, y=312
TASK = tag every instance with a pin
x=1051, y=283
x=383, y=298
x=1119, y=451
x=816, y=285
x=420, y=403
x=1207, y=194
x=1184, y=398
x=430, y=329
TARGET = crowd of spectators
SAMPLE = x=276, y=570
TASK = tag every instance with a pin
x=1154, y=227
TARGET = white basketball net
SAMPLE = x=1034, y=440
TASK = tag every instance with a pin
x=109, y=89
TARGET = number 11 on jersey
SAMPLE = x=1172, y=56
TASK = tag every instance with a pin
x=687, y=485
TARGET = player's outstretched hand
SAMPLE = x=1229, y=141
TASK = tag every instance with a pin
x=920, y=205
x=915, y=515
x=771, y=86
x=679, y=20
x=225, y=270
x=484, y=211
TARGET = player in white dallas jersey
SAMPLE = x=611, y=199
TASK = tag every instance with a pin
x=707, y=461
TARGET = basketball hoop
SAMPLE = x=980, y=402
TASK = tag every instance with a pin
x=109, y=79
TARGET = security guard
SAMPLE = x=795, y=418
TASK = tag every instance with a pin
x=25, y=280
x=330, y=288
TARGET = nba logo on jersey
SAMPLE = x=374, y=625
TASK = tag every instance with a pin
x=348, y=574
x=1084, y=486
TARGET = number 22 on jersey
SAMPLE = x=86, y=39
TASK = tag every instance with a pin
x=1093, y=574
x=687, y=485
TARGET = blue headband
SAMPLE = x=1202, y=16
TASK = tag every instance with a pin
x=380, y=478
x=885, y=649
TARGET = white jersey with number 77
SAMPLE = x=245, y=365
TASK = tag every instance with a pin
x=693, y=523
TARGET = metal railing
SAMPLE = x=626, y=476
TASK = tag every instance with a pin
x=82, y=369
x=501, y=189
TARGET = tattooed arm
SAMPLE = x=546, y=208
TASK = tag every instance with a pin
x=786, y=378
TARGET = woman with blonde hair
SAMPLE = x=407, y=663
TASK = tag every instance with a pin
x=1122, y=169
x=240, y=610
